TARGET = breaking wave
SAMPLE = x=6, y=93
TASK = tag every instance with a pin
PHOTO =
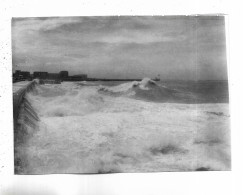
x=149, y=90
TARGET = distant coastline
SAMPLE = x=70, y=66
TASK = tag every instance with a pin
x=64, y=76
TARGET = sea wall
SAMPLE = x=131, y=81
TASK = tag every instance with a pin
x=18, y=97
x=25, y=121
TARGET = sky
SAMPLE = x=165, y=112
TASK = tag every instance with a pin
x=175, y=47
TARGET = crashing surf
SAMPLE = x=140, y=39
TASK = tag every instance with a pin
x=87, y=128
x=149, y=90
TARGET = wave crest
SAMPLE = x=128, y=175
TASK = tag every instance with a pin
x=147, y=89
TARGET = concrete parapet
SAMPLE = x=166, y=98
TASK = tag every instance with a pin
x=19, y=91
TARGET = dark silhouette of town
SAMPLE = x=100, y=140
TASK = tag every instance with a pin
x=46, y=76
x=57, y=78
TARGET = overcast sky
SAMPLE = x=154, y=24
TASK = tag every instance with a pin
x=182, y=47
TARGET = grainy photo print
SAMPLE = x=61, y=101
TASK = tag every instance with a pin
x=120, y=94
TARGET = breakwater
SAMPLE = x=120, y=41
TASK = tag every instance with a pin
x=24, y=117
x=19, y=92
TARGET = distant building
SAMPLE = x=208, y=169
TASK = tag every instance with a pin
x=40, y=75
x=53, y=76
x=21, y=75
x=63, y=74
x=25, y=74
x=17, y=72
x=48, y=77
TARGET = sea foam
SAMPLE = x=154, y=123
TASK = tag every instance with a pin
x=87, y=129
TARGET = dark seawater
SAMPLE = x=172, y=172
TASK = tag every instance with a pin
x=204, y=91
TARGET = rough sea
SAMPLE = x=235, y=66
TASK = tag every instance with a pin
x=110, y=127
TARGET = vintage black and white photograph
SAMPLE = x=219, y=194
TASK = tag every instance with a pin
x=120, y=94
